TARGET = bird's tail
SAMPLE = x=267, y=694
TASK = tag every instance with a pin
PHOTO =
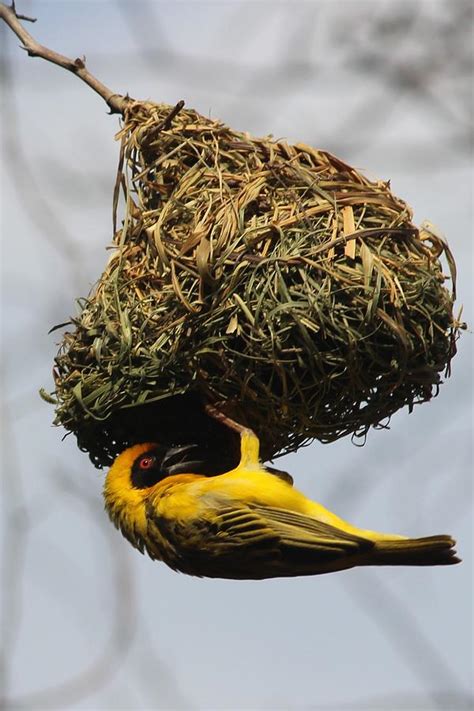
x=432, y=550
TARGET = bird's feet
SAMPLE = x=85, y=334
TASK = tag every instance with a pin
x=249, y=442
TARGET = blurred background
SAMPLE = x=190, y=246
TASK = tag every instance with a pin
x=87, y=622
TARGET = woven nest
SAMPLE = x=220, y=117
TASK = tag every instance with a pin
x=273, y=281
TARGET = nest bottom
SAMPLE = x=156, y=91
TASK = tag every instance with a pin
x=176, y=420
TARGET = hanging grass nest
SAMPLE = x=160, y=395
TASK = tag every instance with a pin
x=271, y=280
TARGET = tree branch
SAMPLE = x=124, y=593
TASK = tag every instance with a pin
x=117, y=103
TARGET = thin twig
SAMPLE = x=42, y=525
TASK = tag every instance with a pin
x=117, y=103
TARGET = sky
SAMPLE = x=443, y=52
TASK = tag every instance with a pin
x=89, y=623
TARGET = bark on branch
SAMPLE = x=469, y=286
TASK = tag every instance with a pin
x=117, y=103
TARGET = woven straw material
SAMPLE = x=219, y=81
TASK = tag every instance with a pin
x=273, y=281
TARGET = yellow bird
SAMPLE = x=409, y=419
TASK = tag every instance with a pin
x=246, y=523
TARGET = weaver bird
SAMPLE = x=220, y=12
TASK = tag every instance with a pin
x=248, y=523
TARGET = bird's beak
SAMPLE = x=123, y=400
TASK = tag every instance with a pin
x=174, y=461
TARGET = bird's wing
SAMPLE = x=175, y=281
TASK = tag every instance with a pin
x=255, y=542
x=304, y=532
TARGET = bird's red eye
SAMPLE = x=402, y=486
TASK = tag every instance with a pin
x=147, y=462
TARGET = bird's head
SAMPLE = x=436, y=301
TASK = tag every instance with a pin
x=131, y=480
